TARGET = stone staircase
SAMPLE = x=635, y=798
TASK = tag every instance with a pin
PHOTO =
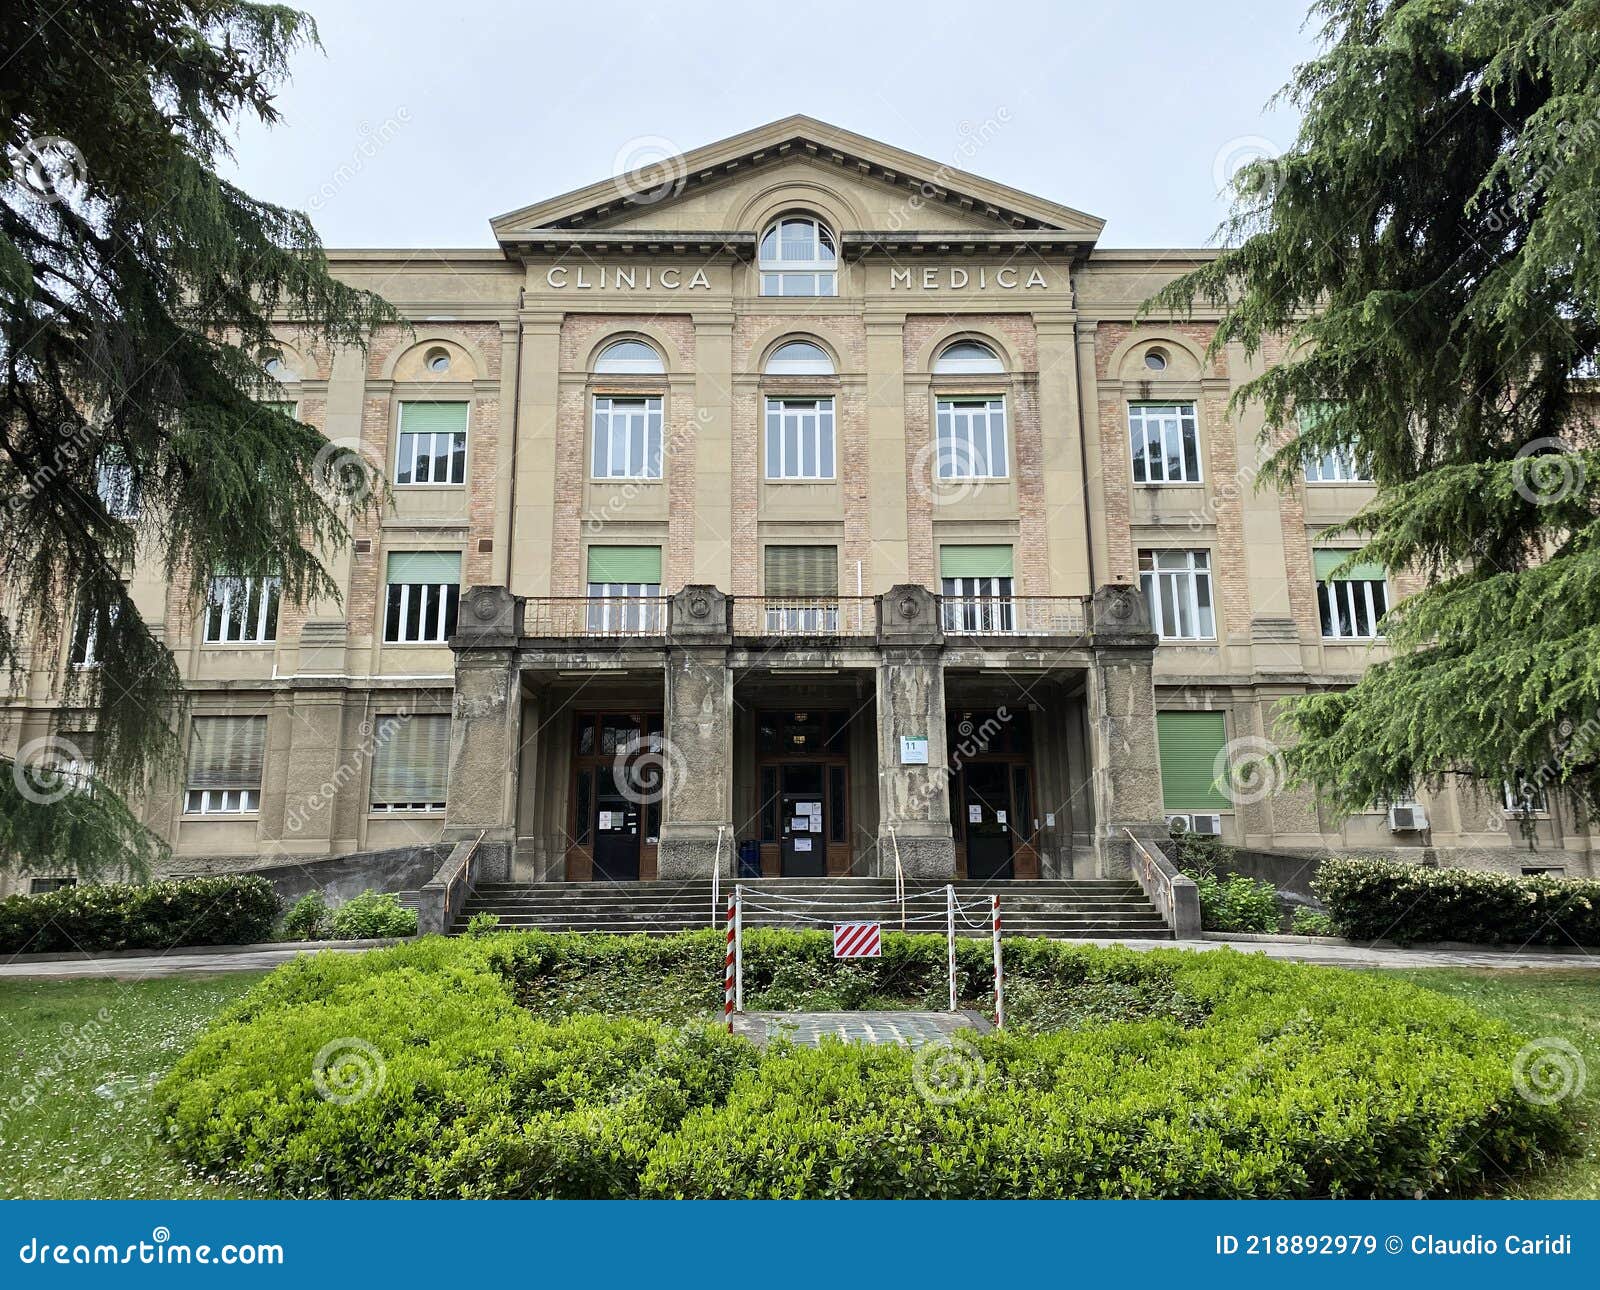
x=1057, y=909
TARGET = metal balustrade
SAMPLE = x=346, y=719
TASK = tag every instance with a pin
x=610, y=616
x=855, y=616
x=1014, y=615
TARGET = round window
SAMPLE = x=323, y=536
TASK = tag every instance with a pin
x=1156, y=359
x=438, y=361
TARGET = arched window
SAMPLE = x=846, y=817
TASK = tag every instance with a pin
x=629, y=358
x=967, y=358
x=799, y=358
x=798, y=258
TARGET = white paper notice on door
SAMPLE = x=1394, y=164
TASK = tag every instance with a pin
x=605, y=820
x=802, y=844
x=800, y=824
x=974, y=815
x=999, y=817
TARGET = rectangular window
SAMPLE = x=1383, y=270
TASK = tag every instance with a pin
x=1191, y=745
x=1165, y=442
x=624, y=590
x=1352, y=604
x=800, y=439
x=39, y=886
x=424, y=593
x=89, y=631
x=977, y=584
x=226, y=755
x=972, y=438
x=627, y=438
x=433, y=444
x=1336, y=467
x=242, y=610
x=115, y=484
x=1524, y=796
x=411, y=763
x=1178, y=586
x=801, y=585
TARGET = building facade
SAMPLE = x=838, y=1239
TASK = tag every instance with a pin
x=802, y=495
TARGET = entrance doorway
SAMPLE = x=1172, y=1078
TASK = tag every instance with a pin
x=616, y=796
x=803, y=773
x=991, y=803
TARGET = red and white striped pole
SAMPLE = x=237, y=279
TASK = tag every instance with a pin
x=727, y=967
x=999, y=972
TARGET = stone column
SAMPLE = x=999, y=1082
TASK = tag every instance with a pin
x=1122, y=726
x=913, y=799
x=486, y=728
x=698, y=719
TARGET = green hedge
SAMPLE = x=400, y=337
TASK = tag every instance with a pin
x=414, y=1072
x=230, y=910
x=1371, y=899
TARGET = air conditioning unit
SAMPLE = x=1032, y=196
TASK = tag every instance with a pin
x=1206, y=826
x=1407, y=819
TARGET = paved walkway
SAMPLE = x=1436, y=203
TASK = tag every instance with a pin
x=1349, y=956
x=910, y=1029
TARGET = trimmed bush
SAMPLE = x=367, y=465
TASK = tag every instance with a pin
x=1371, y=899
x=414, y=1072
x=224, y=910
x=307, y=919
x=371, y=915
x=1313, y=922
x=1235, y=903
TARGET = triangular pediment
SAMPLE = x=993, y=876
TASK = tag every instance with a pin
x=708, y=191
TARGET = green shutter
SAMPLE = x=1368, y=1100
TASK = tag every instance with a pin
x=1190, y=743
x=1311, y=415
x=975, y=562
x=802, y=571
x=432, y=567
x=625, y=564
x=423, y=418
x=1328, y=560
x=285, y=406
x=412, y=761
x=227, y=752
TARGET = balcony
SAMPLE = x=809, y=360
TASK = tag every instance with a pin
x=855, y=619
x=829, y=617
x=1014, y=615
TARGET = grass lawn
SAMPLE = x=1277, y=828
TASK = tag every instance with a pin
x=80, y=1058
x=1562, y=1005
x=77, y=1062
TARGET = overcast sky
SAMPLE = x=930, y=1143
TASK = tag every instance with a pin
x=421, y=121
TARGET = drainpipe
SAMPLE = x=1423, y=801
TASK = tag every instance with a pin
x=1083, y=441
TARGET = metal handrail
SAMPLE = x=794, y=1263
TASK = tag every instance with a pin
x=607, y=616
x=1004, y=615
x=805, y=616
x=716, y=878
x=899, y=877
x=1174, y=894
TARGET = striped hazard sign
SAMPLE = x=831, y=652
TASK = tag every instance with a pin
x=857, y=940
